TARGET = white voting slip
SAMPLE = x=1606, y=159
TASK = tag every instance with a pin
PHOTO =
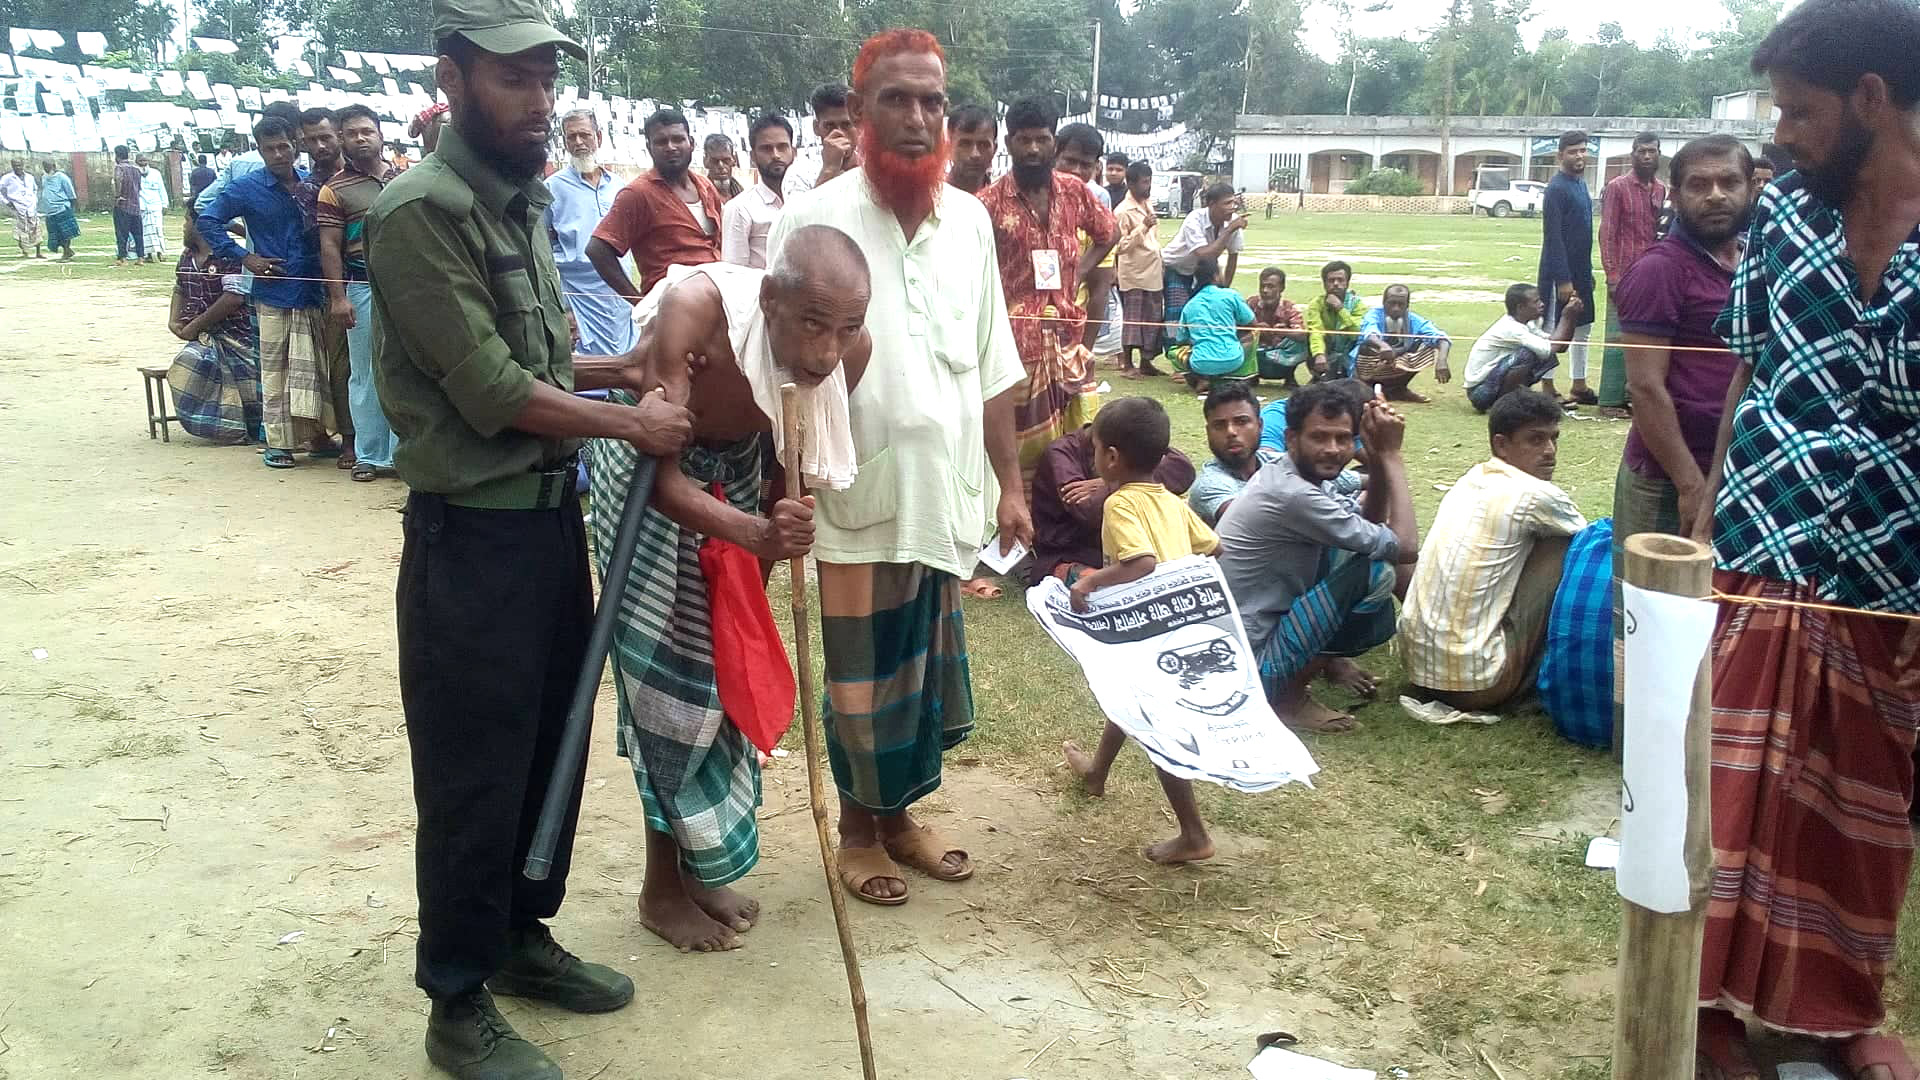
x=1168, y=662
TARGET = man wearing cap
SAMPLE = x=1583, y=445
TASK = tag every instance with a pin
x=473, y=366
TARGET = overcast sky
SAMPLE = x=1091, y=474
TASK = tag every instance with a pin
x=1643, y=20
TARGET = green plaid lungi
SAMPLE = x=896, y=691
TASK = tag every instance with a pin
x=1641, y=504
x=898, y=691
x=699, y=777
x=1613, y=361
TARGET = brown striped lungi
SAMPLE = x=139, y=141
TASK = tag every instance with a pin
x=1814, y=720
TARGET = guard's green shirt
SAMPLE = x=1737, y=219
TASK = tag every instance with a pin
x=467, y=315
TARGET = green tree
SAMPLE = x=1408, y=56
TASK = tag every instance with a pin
x=138, y=27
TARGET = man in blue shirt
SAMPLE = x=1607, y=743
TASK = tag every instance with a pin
x=583, y=192
x=285, y=264
x=250, y=162
x=1396, y=344
x=1211, y=320
x=1566, y=257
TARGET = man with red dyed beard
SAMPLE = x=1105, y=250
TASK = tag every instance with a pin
x=933, y=432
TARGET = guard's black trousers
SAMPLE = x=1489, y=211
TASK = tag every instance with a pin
x=494, y=609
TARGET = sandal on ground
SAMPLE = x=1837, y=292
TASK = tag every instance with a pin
x=980, y=589
x=1584, y=397
x=1721, y=1050
x=278, y=459
x=324, y=452
x=364, y=472
x=923, y=850
x=859, y=865
x=1886, y=1051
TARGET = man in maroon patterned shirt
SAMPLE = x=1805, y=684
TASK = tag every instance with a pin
x=1629, y=224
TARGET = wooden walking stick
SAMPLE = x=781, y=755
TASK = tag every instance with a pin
x=810, y=726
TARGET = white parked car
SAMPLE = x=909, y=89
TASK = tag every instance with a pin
x=1501, y=197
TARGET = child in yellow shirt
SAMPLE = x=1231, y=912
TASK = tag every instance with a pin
x=1142, y=525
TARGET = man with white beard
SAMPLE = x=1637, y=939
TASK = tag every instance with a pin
x=582, y=194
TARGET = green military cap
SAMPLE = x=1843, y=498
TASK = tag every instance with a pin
x=504, y=27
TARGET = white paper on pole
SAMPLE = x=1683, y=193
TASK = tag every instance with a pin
x=1666, y=637
x=1168, y=661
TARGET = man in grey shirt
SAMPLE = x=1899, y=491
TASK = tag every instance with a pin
x=1314, y=573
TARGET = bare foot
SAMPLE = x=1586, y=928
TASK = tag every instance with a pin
x=680, y=923
x=726, y=907
x=1181, y=849
x=1082, y=764
x=1342, y=672
x=1314, y=717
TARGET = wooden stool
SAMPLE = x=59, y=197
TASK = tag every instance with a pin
x=159, y=396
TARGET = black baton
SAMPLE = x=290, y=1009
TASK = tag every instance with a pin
x=573, y=741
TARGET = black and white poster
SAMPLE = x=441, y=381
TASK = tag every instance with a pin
x=1169, y=663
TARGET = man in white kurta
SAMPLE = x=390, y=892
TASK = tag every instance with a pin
x=933, y=431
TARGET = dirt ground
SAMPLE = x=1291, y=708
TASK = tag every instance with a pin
x=205, y=822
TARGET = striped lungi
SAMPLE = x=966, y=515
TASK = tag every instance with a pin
x=26, y=229
x=1141, y=311
x=1056, y=397
x=1814, y=719
x=1348, y=612
x=1613, y=360
x=292, y=387
x=698, y=776
x=898, y=691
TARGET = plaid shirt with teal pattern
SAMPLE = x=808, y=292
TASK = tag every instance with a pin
x=1822, y=480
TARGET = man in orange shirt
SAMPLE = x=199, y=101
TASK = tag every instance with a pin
x=669, y=215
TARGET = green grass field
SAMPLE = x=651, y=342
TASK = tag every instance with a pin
x=1432, y=883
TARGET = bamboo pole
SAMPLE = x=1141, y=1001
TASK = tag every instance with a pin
x=810, y=724
x=1657, y=1000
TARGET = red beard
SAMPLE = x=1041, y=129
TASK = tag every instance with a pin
x=905, y=185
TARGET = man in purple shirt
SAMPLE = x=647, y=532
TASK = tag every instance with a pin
x=1068, y=497
x=1678, y=369
x=126, y=209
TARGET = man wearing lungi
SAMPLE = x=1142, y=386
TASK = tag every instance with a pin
x=1817, y=470
x=749, y=331
x=934, y=436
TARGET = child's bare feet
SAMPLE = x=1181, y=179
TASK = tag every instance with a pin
x=1181, y=849
x=1082, y=764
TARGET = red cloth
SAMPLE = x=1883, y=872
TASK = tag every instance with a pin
x=1629, y=222
x=1017, y=234
x=649, y=220
x=1814, y=719
x=750, y=669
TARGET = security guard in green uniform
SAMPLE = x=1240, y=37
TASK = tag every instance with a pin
x=472, y=359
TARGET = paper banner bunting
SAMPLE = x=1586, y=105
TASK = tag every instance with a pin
x=91, y=43
x=343, y=75
x=18, y=39
x=250, y=97
x=214, y=45
x=197, y=84
x=6, y=64
x=351, y=58
x=170, y=83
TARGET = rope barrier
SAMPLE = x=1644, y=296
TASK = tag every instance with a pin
x=1116, y=322
x=1835, y=609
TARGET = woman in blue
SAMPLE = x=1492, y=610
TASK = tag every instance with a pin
x=1211, y=322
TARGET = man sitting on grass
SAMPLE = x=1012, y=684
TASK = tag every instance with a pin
x=1069, y=501
x=1234, y=426
x=1333, y=322
x=1280, y=341
x=1475, y=619
x=1396, y=344
x=1313, y=572
x=1144, y=525
x=1211, y=322
x=1513, y=354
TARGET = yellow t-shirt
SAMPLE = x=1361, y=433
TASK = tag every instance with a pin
x=1147, y=519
